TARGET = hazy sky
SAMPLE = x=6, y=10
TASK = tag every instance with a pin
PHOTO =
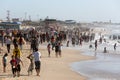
x=79, y=10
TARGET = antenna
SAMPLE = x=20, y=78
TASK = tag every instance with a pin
x=25, y=15
x=38, y=16
x=29, y=18
x=8, y=16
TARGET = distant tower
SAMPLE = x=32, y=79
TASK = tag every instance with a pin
x=8, y=16
x=25, y=16
x=38, y=17
x=29, y=18
x=110, y=21
x=47, y=17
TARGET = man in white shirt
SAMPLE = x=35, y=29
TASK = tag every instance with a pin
x=37, y=59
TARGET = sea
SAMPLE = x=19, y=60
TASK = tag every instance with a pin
x=106, y=66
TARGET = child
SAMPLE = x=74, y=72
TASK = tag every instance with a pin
x=18, y=66
x=4, y=59
x=31, y=66
x=16, y=51
x=13, y=63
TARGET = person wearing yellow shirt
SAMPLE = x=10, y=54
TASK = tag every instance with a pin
x=16, y=51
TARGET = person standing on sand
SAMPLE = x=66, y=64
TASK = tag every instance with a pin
x=4, y=60
x=37, y=59
x=48, y=48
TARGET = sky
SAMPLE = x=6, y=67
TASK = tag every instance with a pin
x=79, y=10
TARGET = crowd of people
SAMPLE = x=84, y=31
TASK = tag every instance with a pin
x=34, y=39
x=18, y=38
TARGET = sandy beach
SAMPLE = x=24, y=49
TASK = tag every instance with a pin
x=52, y=68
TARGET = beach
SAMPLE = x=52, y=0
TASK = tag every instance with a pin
x=52, y=68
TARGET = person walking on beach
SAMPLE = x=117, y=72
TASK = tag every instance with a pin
x=16, y=51
x=67, y=43
x=95, y=45
x=56, y=49
x=3, y=34
x=34, y=44
x=8, y=43
x=13, y=63
x=48, y=48
x=31, y=66
x=4, y=60
x=15, y=41
x=18, y=66
x=21, y=41
x=115, y=45
x=60, y=48
x=53, y=42
x=37, y=60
